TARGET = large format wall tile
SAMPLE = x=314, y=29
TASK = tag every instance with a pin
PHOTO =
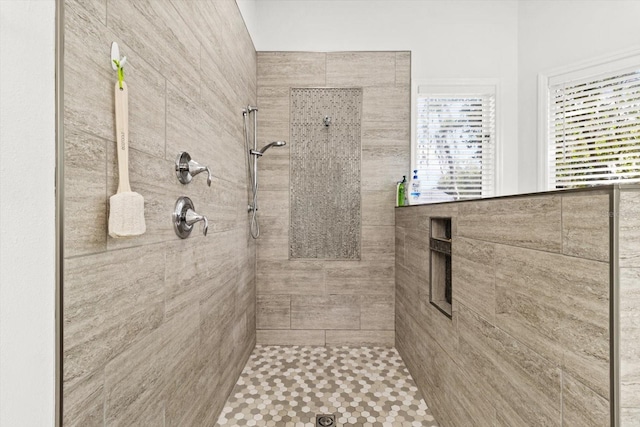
x=325, y=312
x=559, y=305
x=85, y=160
x=291, y=69
x=367, y=284
x=585, y=225
x=503, y=221
x=629, y=229
x=475, y=276
x=155, y=31
x=290, y=337
x=156, y=329
x=528, y=342
x=360, y=69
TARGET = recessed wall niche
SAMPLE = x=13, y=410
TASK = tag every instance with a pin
x=440, y=285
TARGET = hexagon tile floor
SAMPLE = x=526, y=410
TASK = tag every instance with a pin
x=287, y=386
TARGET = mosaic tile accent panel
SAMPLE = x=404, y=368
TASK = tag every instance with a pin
x=288, y=386
x=325, y=173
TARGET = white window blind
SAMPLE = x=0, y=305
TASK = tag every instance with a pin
x=594, y=129
x=455, y=143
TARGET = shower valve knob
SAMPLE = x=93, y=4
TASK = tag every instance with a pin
x=184, y=218
x=186, y=169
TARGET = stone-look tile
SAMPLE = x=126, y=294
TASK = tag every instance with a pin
x=219, y=97
x=378, y=208
x=134, y=383
x=273, y=243
x=89, y=85
x=585, y=225
x=360, y=69
x=416, y=253
x=474, y=275
x=417, y=217
x=273, y=312
x=273, y=171
x=271, y=130
x=558, y=305
x=629, y=246
x=386, y=104
x=581, y=406
x=137, y=338
x=387, y=134
x=378, y=243
x=357, y=278
x=362, y=386
x=85, y=173
x=274, y=104
x=383, y=167
x=629, y=333
x=325, y=312
x=629, y=416
x=502, y=221
x=204, y=268
x=181, y=339
x=377, y=312
x=468, y=406
x=290, y=337
x=274, y=203
x=151, y=177
x=400, y=234
x=94, y=8
x=403, y=68
x=291, y=69
x=527, y=385
x=107, y=309
x=476, y=349
x=83, y=404
x=407, y=288
x=294, y=278
x=153, y=30
x=190, y=129
x=361, y=338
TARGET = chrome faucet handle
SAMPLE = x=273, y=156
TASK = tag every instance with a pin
x=195, y=168
x=185, y=216
x=186, y=169
x=191, y=217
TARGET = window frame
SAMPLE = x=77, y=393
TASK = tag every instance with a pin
x=585, y=69
x=476, y=85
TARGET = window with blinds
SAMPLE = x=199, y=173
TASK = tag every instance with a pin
x=455, y=141
x=594, y=127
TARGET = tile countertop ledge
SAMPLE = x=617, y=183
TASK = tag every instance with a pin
x=608, y=187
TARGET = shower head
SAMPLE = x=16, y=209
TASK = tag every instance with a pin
x=266, y=147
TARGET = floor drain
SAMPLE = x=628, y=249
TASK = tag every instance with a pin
x=325, y=421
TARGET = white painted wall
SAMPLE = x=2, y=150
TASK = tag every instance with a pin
x=27, y=212
x=448, y=39
x=249, y=10
x=559, y=33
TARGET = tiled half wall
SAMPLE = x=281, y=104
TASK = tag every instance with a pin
x=318, y=302
x=528, y=343
x=156, y=329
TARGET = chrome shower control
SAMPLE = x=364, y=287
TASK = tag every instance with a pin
x=186, y=168
x=184, y=217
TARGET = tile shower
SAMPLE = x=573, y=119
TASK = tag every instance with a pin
x=158, y=330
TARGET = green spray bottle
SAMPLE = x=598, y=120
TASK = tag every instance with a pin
x=401, y=191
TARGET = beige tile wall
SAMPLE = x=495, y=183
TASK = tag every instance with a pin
x=528, y=343
x=156, y=329
x=629, y=255
x=332, y=302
